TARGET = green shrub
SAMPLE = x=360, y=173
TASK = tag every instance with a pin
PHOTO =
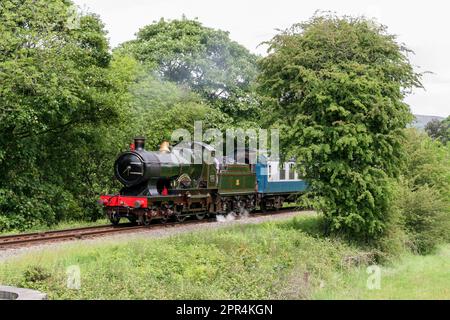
x=36, y=273
x=425, y=215
x=423, y=195
x=428, y=162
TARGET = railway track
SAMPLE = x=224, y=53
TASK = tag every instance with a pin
x=19, y=240
x=27, y=239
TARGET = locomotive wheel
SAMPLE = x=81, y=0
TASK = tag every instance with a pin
x=180, y=217
x=263, y=206
x=132, y=219
x=144, y=221
x=238, y=210
x=114, y=220
x=250, y=205
x=278, y=203
x=200, y=216
x=243, y=208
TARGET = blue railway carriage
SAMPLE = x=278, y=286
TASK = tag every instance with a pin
x=277, y=182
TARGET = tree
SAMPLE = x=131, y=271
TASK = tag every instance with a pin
x=440, y=130
x=160, y=107
x=337, y=85
x=52, y=76
x=57, y=91
x=202, y=59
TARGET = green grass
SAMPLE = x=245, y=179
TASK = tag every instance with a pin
x=60, y=226
x=276, y=260
x=412, y=277
x=244, y=262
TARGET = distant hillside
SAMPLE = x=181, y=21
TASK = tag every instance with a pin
x=421, y=121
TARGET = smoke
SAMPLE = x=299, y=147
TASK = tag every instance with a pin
x=244, y=214
x=231, y=216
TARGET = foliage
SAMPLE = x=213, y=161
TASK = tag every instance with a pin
x=426, y=217
x=202, y=59
x=36, y=273
x=52, y=76
x=423, y=195
x=427, y=162
x=333, y=85
x=439, y=129
x=160, y=107
x=59, y=92
x=337, y=85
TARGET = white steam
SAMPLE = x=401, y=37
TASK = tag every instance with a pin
x=231, y=216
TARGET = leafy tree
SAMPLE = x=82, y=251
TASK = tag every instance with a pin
x=202, y=59
x=52, y=76
x=160, y=107
x=92, y=147
x=337, y=85
x=439, y=130
x=57, y=91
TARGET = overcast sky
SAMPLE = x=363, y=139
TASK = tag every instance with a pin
x=422, y=25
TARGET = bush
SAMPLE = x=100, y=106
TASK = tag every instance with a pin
x=428, y=162
x=36, y=273
x=423, y=193
x=426, y=219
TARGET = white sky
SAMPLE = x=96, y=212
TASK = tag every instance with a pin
x=422, y=25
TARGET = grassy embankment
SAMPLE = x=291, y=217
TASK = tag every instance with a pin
x=280, y=260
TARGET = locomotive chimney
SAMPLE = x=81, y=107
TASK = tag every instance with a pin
x=139, y=143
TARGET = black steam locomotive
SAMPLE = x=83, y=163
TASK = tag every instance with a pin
x=167, y=184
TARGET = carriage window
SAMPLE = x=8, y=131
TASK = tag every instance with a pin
x=270, y=172
x=291, y=171
x=282, y=172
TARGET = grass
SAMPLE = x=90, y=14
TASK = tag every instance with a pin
x=412, y=277
x=276, y=260
x=244, y=262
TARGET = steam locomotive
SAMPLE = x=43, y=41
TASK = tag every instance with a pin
x=166, y=184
